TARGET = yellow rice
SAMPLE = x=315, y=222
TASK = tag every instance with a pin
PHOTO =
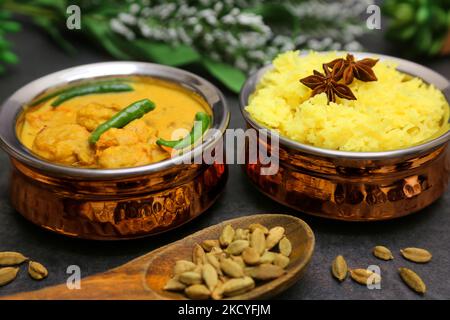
x=394, y=112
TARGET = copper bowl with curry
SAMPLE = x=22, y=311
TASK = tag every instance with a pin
x=114, y=150
x=320, y=174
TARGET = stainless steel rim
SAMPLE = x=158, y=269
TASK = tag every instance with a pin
x=12, y=107
x=406, y=66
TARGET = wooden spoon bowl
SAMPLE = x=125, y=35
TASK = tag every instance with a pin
x=297, y=231
x=145, y=277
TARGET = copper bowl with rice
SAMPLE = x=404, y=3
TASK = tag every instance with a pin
x=352, y=185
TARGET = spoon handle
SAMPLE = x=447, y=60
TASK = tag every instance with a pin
x=122, y=283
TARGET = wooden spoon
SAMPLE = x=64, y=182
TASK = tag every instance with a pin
x=145, y=277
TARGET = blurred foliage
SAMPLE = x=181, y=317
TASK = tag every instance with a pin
x=419, y=26
x=229, y=38
x=7, y=56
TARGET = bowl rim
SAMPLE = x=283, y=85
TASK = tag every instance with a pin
x=412, y=68
x=12, y=107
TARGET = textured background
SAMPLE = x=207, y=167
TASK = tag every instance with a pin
x=429, y=228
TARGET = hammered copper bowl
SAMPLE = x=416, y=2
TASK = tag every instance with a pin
x=354, y=186
x=114, y=203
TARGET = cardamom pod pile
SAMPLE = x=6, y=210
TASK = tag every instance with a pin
x=231, y=265
x=9, y=262
x=339, y=268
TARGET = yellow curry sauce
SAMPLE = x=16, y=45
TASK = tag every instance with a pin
x=60, y=134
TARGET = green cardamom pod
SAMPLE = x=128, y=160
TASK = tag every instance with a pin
x=37, y=271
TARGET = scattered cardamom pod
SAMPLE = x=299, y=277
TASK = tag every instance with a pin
x=285, y=247
x=266, y=272
x=239, y=261
x=212, y=260
x=197, y=292
x=237, y=286
x=250, y=256
x=210, y=276
x=10, y=258
x=231, y=268
x=364, y=276
x=281, y=260
x=413, y=280
x=416, y=255
x=339, y=268
x=198, y=254
x=236, y=247
x=7, y=275
x=267, y=257
x=216, y=250
x=208, y=245
x=382, y=253
x=217, y=293
x=182, y=266
x=37, y=271
x=258, y=240
x=190, y=277
x=227, y=235
x=252, y=227
x=198, y=268
x=241, y=234
x=224, y=278
x=174, y=285
x=274, y=236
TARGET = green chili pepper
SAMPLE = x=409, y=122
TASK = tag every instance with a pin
x=95, y=88
x=134, y=111
x=201, y=124
x=84, y=85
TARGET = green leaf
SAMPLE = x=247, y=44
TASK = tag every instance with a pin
x=404, y=13
x=230, y=76
x=424, y=40
x=436, y=47
x=9, y=57
x=10, y=26
x=99, y=30
x=4, y=44
x=275, y=14
x=166, y=54
x=4, y=14
x=439, y=18
x=58, y=5
x=423, y=15
x=48, y=25
x=276, y=11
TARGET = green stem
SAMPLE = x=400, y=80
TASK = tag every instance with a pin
x=28, y=10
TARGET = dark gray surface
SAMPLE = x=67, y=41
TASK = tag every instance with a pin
x=429, y=228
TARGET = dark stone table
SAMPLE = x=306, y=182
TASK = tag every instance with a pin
x=429, y=228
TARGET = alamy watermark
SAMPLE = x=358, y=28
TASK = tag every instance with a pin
x=73, y=21
x=235, y=146
x=74, y=280
x=373, y=22
x=373, y=282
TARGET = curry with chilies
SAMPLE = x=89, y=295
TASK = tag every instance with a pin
x=113, y=123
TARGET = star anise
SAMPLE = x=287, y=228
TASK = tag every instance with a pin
x=349, y=68
x=328, y=83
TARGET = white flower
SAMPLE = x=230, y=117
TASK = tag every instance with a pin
x=224, y=30
x=117, y=26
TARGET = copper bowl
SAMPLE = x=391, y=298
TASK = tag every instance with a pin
x=354, y=186
x=114, y=203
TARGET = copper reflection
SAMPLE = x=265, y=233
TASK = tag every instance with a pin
x=116, y=209
x=357, y=190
